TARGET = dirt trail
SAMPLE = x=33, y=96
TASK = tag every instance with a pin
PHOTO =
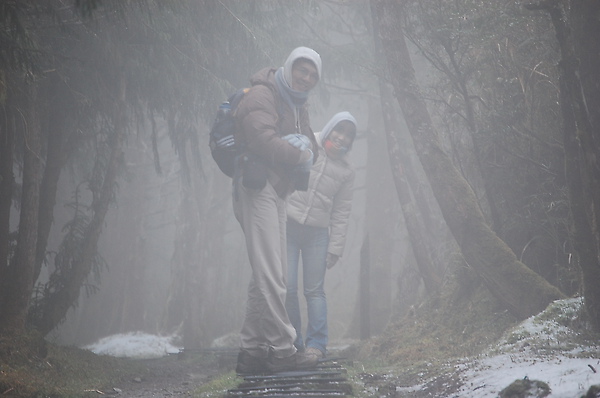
x=175, y=375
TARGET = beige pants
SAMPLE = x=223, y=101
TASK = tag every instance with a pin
x=266, y=327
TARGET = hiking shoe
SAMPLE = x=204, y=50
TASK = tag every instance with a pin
x=250, y=365
x=315, y=351
x=300, y=360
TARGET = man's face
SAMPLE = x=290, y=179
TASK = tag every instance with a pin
x=304, y=75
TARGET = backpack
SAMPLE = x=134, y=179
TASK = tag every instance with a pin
x=223, y=147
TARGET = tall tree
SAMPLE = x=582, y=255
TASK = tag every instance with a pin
x=446, y=49
x=22, y=138
x=521, y=291
x=580, y=135
x=492, y=84
x=585, y=17
x=20, y=271
x=401, y=169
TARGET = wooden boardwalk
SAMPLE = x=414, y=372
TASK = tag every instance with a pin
x=327, y=380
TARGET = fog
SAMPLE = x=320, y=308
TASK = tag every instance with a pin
x=171, y=256
x=138, y=245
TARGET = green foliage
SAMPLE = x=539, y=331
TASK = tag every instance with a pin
x=218, y=386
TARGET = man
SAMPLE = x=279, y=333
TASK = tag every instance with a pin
x=273, y=125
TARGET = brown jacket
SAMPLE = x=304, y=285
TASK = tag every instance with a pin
x=260, y=127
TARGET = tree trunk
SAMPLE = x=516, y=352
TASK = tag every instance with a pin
x=7, y=182
x=520, y=290
x=222, y=281
x=60, y=300
x=56, y=157
x=581, y=151
x=209, y=290
x=21, y=270
x=416, y=231
x=197, y=265
x=381, y=220
x=133, y=308
x=586, y=30
x=414, y=226
x=194, y=327
x=364, y=296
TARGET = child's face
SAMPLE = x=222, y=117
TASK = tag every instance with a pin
x=340, y=139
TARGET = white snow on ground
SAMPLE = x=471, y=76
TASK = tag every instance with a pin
x=541, y=349
x=134, y=345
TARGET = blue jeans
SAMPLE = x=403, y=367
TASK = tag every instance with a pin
x=312, y=243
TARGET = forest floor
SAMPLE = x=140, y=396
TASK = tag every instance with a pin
x=49, y=371
x=417, y=357
x=417, y=348
x=74, y=372
x=179, y=375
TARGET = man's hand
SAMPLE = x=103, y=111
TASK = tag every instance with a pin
x=331, y=260
x=307, y=164
x=299, y=141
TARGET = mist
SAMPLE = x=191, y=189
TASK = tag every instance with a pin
x=137, y=232
x=174, y=255
x=135, y=290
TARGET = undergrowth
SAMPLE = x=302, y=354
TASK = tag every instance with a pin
x=458, y=323
x=422, y=346
x=30, y=367
x=218, y=386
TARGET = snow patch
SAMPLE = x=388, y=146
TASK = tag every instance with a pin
x=136, y=345
x=540, y=348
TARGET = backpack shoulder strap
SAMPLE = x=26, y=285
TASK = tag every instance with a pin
x=235, y=98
